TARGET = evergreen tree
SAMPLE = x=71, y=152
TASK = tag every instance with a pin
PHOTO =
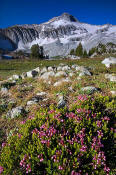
x=20, y=54
x=72, y=52
x=85, y=55
x=36, y=51
x=79, y=50
x=41, y=51
x=92, y=51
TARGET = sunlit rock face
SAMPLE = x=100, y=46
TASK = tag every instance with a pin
x=58, y=36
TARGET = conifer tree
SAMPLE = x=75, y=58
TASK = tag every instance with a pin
x=79, y=50
x=85, y=55
x=36, y=51
x=72, y=52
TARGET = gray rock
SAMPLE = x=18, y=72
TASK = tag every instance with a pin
x=41, y=94
x=61, y=73
x=62, y=102
x=58, y=83
x=71, y=74
x=85, y=72
x=15, y=112
x=45, y=99
x=44, y=69
x=32, y=74
x=93, y=55
x=113, y=92
x=74, y=66
x=50, y=69
x=62, y=64
x=23, y=75
x=89, y=89
x=46, y=75
x=108, y=76
x=37, y=69
x=79, y=78
x=109, y=61
x=111, y=77
x=59, y=68
x=65, y=68
x=31, y=102
x=16, y=77
x=71, y=89
x=73, y=57
x=4, y=91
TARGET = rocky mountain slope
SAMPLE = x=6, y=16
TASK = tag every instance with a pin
x=58, y=36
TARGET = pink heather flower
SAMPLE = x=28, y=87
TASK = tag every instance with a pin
x=44, y=126
x=106, y=118
x=83, y=148
x=19, y=135
x=98, y=123
x=60, y=168
x=75, y=173
x=1, y=169
x=51, y=111
x=82, y=97
x=35, y=131
x=3, y=144
x=100, y=133
x=23, y=122
x=28, y=169
x=107, y=169
x=41, y=160
x=40, y=156
x=111, y=129
x=30, y=117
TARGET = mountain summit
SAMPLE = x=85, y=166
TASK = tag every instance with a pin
x=57, y=36
x=68, y=17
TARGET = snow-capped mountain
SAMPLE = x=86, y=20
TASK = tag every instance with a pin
x=57, y=36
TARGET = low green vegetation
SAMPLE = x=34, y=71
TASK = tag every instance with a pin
x=59, y=141
x=77, y=139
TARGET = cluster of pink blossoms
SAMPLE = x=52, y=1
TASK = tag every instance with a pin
x=40, y=156
x=1, y=169
x=82, y=97
x=25, y=165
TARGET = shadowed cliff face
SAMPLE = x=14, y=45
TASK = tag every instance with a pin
x=6, y=43
x=58, y=36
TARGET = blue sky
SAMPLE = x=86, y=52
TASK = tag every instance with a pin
x=37, y=11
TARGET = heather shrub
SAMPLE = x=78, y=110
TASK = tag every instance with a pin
x=77, y=140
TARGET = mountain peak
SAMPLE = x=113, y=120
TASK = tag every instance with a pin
x=68, y=17
x=64, y=16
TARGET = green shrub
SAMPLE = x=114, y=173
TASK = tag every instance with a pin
x=72, y=52
x=36, y=51
x=79, y=50
x=74, y=140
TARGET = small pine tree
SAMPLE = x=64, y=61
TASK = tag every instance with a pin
x=79, y=50
x=41, y=51
x=36, y=51
x=85, y=55
x=20, y=54
x=92, y=51
x=72, y=52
